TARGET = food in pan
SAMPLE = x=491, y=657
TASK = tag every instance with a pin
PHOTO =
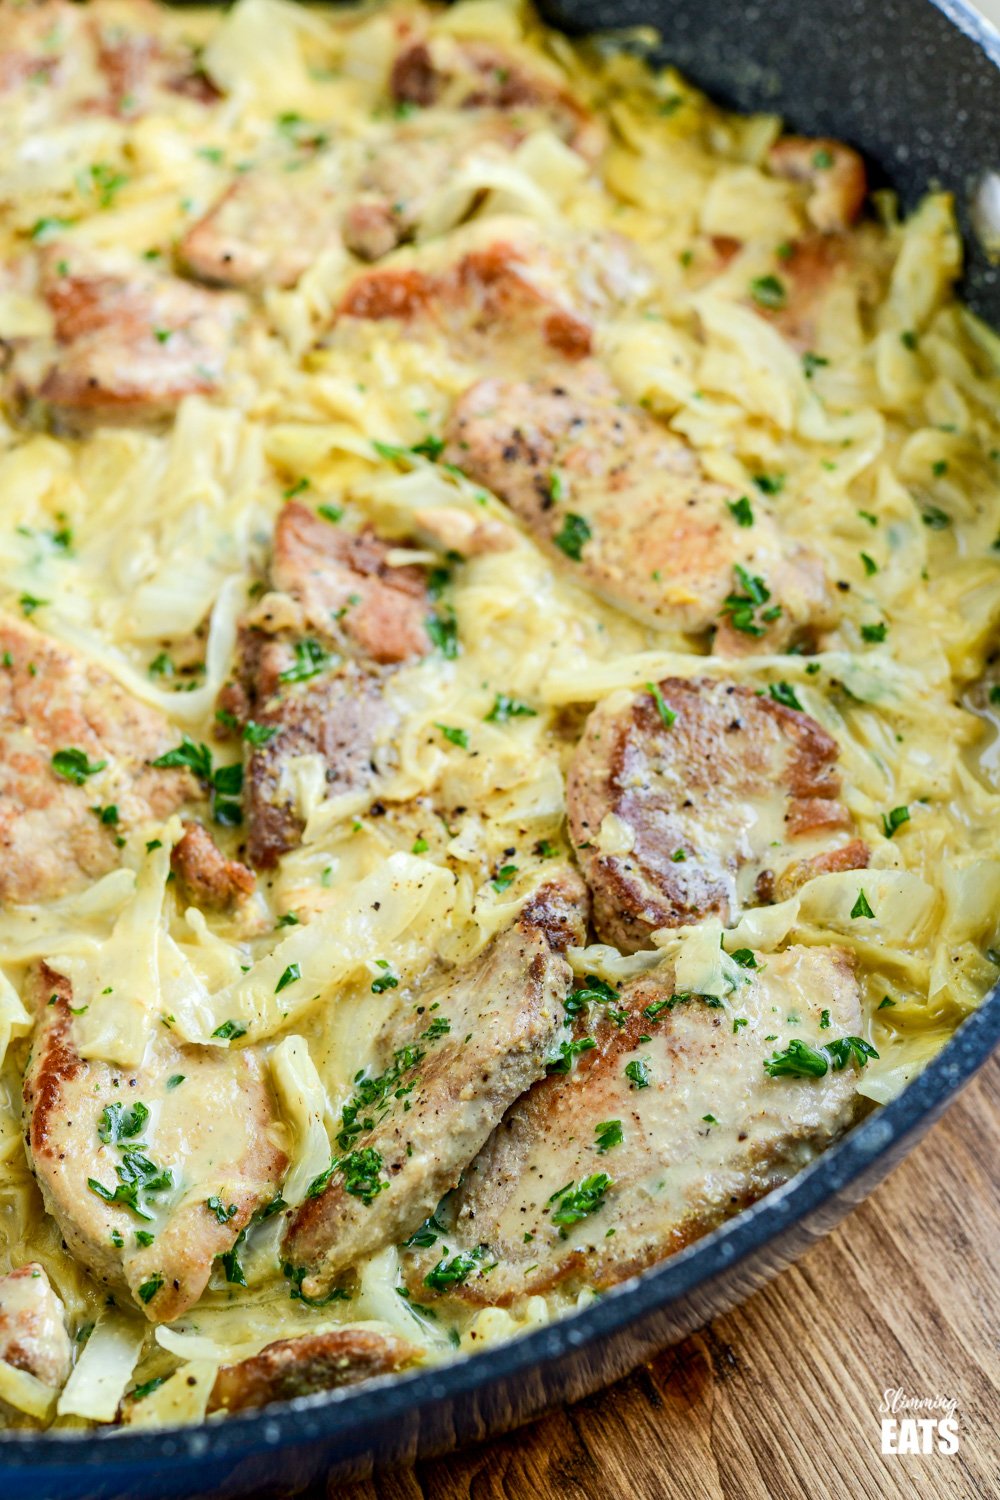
x=498, y=688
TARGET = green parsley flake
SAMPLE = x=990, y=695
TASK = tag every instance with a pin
x=666, y=713
x=573, y=536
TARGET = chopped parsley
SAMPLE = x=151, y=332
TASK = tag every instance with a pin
x=568, y=1051
x=637, y=1072
x=874, y=633
x=744, y=957
x=459, y=737
x=385, y=981
x=73, y=765
x=504, y=877
x=861, y=907
x=373, y=1097
x=742, y=511
x=887, y=1003
x=119, y=1123
x=742, y=608
x=576, y=1203
x=136, y=1175
x=811, y=363
x=505, y=707
x=609, y=1133
x=193, y=757
x=894, y=819
x=442, y=628
x=223, y=1213
x=573, y=536
x=175, y=1080
x=666, y=713
x=847, y=1049
x=290, y=975
x=824, y=1019
x=784, y=693
x=259, y=734
x=869, y=564
x=149, y=1288
x=140, y=1392
x=768, y=291
x=161, y=666
x=295, y=1275
x=797, y=1061
x=769, y=484
x=230, y=1031
x=310, y=661
x=331, y=513
x=448, y=1273
x=935, y=518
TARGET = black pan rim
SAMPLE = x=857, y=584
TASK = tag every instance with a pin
x=883, y=1137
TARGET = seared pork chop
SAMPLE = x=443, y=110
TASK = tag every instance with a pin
x=303, y=1366
x=33, y=1333
x=313, y=657
x=483, y=1036
x=151, y=1175
x=680, y=798
x=130, y=343
x=71, y=740
x=670, y=1125
x=623, y=503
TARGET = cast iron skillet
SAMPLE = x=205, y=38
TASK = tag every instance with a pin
x=915, y=84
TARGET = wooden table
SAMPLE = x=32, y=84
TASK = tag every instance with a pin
x=780, y=1399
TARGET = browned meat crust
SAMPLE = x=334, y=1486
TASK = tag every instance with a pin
x=230, y=1151
x=504, y=1013
x=129, y=343
x=702, y=1131
x=700, y=797
x=479, y=75
x=337, y=597
x=486, y=297
x=208, y=877
x=261, y=232
x=382, y=610
x=833, y=174
x=33, y=1333
x=52, y=700
x=623, y=503
x=303, y=1366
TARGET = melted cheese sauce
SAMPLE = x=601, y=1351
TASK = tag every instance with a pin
x=141, y=547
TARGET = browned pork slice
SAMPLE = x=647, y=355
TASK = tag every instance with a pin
x=314, y=1362
x=33, y=1333
x=314, y=656
x=130, y=343
x=265, y=230
x=150, y=1174
x=668, y=1126
x=501, y=296
x=403, y=173
x=624, y=504
x=832, y=175
x=697, y=798
x=484, y=1035
x=207, y=877
x=137, y=58
x=470, y=74
x=72, y=743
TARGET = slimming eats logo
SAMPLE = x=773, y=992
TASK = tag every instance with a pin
x=918, y=1424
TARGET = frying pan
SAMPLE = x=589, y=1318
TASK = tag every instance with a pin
x=916, y=85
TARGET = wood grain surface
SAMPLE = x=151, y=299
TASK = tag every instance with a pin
x=779, y=1400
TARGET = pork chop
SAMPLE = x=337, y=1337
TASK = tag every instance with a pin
x=472, y=74
x=33, y=1333
x=667, y=1127
x=623, y=503
x=264, y=230
x=73, y=744
x=130, y=342
x=314, y=1362
x=502, y=297
x=691, y=798
x=207, y=877
x=484, y=1035
x=314, y=656
x=150, y=1175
